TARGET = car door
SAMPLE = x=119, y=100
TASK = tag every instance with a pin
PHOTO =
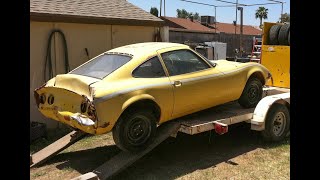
x=197, y=84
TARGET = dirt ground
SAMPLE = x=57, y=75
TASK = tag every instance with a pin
x=239, y=154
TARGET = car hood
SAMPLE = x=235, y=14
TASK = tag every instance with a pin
x=75, y=83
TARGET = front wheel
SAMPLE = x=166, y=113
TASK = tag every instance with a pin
x=252, y=93
x=134, y=130
x=277, y=123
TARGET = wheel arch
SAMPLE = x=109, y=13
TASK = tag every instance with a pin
x=142, y=101
x=262, y=109
x=257, y=74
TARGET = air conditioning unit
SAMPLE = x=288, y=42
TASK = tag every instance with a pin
x=205, y=20
x=213, y=50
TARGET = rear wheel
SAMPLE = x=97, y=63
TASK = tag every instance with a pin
x=251, y=94
x=134, y=130
x=277, y=123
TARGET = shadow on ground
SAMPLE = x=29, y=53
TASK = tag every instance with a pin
x=174, y=157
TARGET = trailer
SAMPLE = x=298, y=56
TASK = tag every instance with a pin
x=271, y=117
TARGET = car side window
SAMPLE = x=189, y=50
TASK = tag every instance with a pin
x=182, y=62
x=149, y=69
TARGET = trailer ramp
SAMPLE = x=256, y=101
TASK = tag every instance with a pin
x=56, y=147
x=124, y=159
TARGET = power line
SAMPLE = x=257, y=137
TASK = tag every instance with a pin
x=235, y=4
x=261, y=4
x=199, y=3
x=230, y=2
x=276, y=1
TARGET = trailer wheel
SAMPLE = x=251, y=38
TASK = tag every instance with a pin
x=251, y=94
x=283, y=36
x=277, y=124
x=273, y=34
x=134, y=130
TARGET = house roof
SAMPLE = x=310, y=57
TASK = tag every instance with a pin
x=195, y=26
x=181, y=23
x=229, y=28
x=91, y=11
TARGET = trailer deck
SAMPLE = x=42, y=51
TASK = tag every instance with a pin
x=217, y=118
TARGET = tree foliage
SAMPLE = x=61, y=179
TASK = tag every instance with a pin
x=261, y=13
x=154, y=11
x=182, y=13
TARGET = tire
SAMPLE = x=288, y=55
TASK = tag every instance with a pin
x=278, y=113
x=134, y=130
x=251, y=94
x=273, y=34
x=283, y=36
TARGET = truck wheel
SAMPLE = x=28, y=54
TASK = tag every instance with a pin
x=273, y=34
x=277, y=124
x=134, y=130
x=283, y=36
x=251, y=94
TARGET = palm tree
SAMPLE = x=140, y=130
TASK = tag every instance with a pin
x=261, y=13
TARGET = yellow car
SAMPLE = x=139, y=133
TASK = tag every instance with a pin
x=131, y=89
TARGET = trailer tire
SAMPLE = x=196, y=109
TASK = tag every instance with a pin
x=277, y=123
x=273, y=35
x=134, y=130
x=251, y=94
x=283, y=36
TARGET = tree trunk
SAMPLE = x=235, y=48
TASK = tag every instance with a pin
x=261, y=21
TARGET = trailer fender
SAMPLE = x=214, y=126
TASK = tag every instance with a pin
x=262, y=109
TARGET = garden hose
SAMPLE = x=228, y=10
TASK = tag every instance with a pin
x=48, y=59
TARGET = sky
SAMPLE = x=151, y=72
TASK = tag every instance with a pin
x=224, y=14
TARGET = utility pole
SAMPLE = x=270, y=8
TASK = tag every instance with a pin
x=281, y=12
x=235, y=26
x=241, y=29
x=215, y=17
x=160, y=7
x=164, y=7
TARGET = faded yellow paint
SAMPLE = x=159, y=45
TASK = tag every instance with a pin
x=277, y=59
x=116, y=92
x=96, y=38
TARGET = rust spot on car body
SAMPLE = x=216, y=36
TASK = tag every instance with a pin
x=105, y=125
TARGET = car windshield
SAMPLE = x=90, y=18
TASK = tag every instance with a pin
x=102, y=66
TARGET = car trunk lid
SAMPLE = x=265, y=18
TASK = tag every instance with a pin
x=76, y=83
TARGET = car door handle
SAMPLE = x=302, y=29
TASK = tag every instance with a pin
x=177, y=83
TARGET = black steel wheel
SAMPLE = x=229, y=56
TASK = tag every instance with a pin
x=251, y=94
x=134, y=130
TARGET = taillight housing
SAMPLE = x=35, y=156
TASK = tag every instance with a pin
x=42, y=98
x=83, y=107
x=51, y=99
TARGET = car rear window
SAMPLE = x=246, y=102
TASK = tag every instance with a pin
x=102, y=66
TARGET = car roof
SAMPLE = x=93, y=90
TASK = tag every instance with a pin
x=145, y=48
